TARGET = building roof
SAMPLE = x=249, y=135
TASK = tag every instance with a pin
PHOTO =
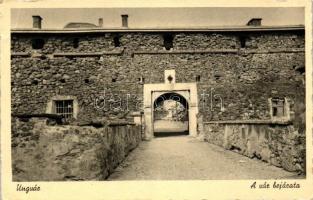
x=79, y=25
x=159, y=29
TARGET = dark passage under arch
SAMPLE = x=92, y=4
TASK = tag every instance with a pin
x=170, y=115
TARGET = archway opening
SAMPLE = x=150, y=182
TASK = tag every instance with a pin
x=170, y=115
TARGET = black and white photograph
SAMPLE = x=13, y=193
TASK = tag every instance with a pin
x=117, y=94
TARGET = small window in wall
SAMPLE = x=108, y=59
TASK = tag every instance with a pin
x=116, y=41
x=280, y=108
x=38, y=43
x=198, y=78
x=75, y=43
x=168, y=41
x=243, y=40
x=64, y=108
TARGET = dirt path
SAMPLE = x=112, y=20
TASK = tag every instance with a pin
x=186, y=158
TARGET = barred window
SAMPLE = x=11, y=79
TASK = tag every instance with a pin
x=64, y=108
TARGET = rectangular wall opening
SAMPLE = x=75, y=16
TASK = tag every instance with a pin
x=64, y=108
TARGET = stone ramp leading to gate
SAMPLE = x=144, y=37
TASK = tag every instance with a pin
x=186, y=158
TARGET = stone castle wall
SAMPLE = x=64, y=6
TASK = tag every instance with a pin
x=43, y=151
x=97, y=42
x=278, y=144
x=270, y=64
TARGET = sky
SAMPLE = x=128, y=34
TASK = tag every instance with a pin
x=157, y=17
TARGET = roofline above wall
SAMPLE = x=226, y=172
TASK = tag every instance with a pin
x=121, y=30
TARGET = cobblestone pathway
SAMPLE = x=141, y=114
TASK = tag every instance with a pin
x=186, y=158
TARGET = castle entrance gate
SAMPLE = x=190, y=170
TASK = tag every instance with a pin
x=171, y=103
x=170, y=113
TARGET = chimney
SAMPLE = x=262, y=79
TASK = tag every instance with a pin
x=125, y=21
x=255, y=22
x=37, y=21
x=100, y=22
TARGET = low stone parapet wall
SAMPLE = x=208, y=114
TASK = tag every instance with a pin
x=45, y=152
x=277, y=143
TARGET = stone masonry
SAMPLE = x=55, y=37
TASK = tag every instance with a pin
x=45, y=151
x=237, y=72
x=244, y=77
x=278, y=144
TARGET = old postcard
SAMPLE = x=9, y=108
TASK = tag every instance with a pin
x=156, y=100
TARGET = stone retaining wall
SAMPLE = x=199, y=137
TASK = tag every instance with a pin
x=42, y=152
x=279, y=144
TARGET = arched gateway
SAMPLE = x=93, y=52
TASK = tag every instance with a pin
x=183, y=93
x=170, y=115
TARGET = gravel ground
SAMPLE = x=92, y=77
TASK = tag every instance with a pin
x=186, y=158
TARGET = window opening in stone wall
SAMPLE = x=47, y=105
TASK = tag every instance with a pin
x=75, y=43
x=243, y=41
x=35, y=82
x=198, y=78
x=168, y=41
x=116, y=41
x=278, y=107
x=300, y=69
x=38, y=43
x=64, y=108
x=113, y=80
